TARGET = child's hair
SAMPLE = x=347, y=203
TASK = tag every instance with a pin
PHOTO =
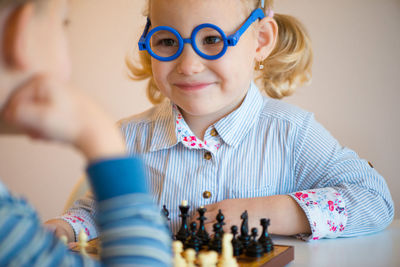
x=15, y=3
x=285, y=69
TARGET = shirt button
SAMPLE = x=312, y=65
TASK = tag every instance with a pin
x=213, y=132
x=206, y=194
x=207, y=155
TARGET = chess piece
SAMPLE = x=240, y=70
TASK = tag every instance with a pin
x=244, y=230
x=265, y=240
x=236, y=244
x=177, y=249
x=82, y=242
x=190, y=256
x=216, y=243
x=193, y=241
x=165, y=213
x=208, y=259
x=201, y=232
x=64, y=239
x=255, y=249
x=227, y=259
x=220, y=219
x=183, y=232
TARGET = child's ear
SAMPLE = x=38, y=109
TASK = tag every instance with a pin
x=266, y=39
x=15, y=37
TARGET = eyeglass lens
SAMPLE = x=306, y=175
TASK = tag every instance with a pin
x=208, y=41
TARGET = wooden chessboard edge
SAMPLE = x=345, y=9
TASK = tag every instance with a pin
x=284, y=258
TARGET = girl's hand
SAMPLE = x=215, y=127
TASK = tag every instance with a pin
x=51, y=110
x=287, y=218
x=59, y=228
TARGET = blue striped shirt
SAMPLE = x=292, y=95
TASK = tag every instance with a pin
x=268, y=147
x=132, y=230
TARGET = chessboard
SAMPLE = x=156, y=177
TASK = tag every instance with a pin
x=194, y=246
x=279, y=256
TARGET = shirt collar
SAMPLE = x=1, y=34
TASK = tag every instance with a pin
x=231, y=129
x=164, y=128
x=234, y=127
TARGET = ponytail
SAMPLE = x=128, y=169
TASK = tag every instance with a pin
x=289, y=64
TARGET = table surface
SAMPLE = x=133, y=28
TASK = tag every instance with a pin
x=379, y=249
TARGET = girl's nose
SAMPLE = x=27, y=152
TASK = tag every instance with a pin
x=189, y=62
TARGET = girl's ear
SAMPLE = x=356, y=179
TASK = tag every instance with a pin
x=15, y=37
x=266, y=39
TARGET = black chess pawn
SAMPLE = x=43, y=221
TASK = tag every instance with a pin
x=244, y=230
x=165, y=213
x=216, y=242
x=265, y=239
x=201, y=232
x=220, y=219
x=193, y=241
x=255, y=249
x=236, y=244
x=183, y=232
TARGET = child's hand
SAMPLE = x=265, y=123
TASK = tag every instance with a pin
x=287, y=218
x=59, y=228
x=51, y=110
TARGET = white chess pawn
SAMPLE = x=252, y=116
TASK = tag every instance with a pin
x=190, y=256
x=208, y=259
x=82, y=242
x=227, y=259
x=177, y=249
x=64, y=239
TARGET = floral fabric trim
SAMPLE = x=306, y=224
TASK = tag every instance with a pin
x=188, y=139
x=325, y=210
x=77, y=223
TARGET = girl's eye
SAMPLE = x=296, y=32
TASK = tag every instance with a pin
x=167, y=42
x=212, y=40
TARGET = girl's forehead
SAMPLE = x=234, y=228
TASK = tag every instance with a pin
x=190, y=13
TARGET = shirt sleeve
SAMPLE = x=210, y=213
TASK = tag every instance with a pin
x=340, y=193
x=82, y=216
x=131, y=227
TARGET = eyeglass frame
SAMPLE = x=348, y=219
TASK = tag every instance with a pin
x=231, y=40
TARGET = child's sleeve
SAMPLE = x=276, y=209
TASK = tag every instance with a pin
x=82, y=216
x=131, y=227
x=341, y=194
x=130, y=223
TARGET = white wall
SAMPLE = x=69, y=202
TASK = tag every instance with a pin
x=354, y=93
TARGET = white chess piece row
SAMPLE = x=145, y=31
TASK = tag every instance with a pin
x=206, y=258
x=82, y=241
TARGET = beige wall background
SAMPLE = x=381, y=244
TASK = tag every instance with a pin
x=354, y=93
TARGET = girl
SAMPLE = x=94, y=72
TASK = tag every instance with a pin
x=214, y=140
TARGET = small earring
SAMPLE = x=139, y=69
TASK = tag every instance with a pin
x=260, y=66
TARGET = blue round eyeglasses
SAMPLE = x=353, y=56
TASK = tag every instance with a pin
x=164, y=43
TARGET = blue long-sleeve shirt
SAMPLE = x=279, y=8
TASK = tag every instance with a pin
x=131, y=228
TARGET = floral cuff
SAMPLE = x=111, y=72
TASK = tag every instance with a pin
x=325, y=210
x=77, y=223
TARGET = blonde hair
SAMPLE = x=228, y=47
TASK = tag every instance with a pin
x=286, y=68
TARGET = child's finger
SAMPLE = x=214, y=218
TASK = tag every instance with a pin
x=21, y=95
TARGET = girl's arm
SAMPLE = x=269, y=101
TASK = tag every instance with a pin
x=337, y=193
x=348, y=197
x=80, y=216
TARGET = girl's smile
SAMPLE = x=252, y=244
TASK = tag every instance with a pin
x=193, y=86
